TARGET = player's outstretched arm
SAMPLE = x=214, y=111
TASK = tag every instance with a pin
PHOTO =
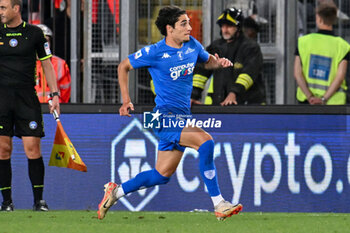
x=216, y=62
x=123, y=79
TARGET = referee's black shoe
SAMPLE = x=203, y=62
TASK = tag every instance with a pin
x=7, y=206
x=40, y=206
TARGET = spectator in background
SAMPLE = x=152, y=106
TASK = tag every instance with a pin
x=25, y=10
x=250, y=28
x=240, y=84
x=321, y=61
x=61, y=26
x=62, y=74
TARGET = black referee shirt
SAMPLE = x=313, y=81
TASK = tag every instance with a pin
x=19, y=49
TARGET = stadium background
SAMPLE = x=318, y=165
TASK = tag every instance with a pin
x=113, y=29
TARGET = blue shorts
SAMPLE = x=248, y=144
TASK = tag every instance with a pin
x=169, y=135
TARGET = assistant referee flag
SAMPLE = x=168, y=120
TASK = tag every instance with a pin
x=63, y=152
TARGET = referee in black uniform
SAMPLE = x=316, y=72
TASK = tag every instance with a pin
x=20, y=112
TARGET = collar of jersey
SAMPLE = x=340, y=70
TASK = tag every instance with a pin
x=177, y=49
x=23, y=24
x=326, y=32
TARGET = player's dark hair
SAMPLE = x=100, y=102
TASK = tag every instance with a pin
x=17, y=2
x=168, y=15
x=328, y=12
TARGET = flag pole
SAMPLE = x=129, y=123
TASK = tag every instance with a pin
x=54, y=114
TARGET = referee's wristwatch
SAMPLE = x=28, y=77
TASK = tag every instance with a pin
x=324, y=100
x=51, y=95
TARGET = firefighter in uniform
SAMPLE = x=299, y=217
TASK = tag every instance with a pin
x=321, y=62
x=240, y=84
x=62, y=74
x=20, y=110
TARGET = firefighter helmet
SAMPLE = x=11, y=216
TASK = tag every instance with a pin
x=231, y=16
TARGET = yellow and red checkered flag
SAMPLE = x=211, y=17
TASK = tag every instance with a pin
x=63, y=152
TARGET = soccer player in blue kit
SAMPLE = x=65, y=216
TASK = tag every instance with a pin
x=171, y=62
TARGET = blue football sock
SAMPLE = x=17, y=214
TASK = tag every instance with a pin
x=144, y=179
x=207, y=167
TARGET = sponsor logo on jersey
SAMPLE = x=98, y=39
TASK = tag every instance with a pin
x=33, y=125
x=13, y=34
x=182, y=70
x=13, y=42
x=166, y=55
x=189, y=50
x=47, y=48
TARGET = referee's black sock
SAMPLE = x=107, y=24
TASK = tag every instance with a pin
x=5, y=179
x=36, y=174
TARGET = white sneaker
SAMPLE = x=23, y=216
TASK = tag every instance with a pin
x=225, y=209
x=108, y=200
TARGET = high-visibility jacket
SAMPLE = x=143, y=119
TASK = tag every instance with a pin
x=63, y=80
x=320, y=54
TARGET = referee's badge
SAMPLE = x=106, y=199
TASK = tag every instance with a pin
x=13, y=42
x=33, y=125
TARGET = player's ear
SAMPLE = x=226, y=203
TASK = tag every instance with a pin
x=16, y=8
x=169, y=28
x=319, y=19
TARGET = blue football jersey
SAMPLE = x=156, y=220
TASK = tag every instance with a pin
x=171, y=70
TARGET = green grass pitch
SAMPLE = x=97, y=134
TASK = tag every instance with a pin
x=23, y=221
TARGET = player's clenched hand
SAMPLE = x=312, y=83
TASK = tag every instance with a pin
x=223, y=62
x=55, y=105
x=124, y=109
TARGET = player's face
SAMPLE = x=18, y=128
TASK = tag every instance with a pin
x=228, y=31
x=7, y=12
x=182, y=30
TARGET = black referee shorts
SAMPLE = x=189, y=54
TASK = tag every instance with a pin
x=20, y=113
